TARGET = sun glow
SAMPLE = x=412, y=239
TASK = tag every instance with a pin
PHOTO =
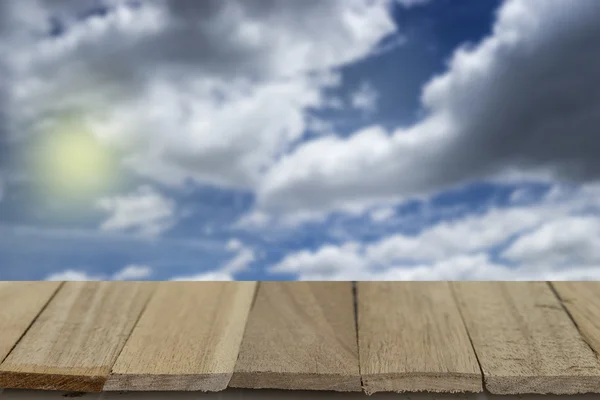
x=71, y=162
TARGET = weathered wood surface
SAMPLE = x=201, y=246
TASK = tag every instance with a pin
x=524, y=339
x=20, y=304
x=582, y=300
x=412, y=338
x=187, y=339
x=300, y=335
x=75, y=341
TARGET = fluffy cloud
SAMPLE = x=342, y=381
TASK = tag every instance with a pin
x=212, y=91
x=329, y=260
x=365, y=98
x=568, y=241
x=145, y=212
x=253, y=38
x=207, y=276
x=412, y=3
x=556, y=238
x=243, y=257
x=349, y=262
x=73, y=275
x=133, y=272
x=524, y=101
x=382, y=214
x=267, y=117
x=130, y=272
x=220, y=92
x=240, y=261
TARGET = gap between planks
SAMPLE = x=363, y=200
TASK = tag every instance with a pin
x=524, y=339
x=187, y=339
x=30, y=298
x=581, y=300
x=412, y=338
x=74, y=342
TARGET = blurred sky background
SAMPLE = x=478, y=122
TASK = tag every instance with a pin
x=313, y=139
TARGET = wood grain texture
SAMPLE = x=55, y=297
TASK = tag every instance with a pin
x=524, y=339
x=300, y=335
x=76, y=339
x=412, y=338
x=582, y=300
x=187, y=339
x=20, y=304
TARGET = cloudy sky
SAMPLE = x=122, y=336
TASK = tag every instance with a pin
x=315, y=139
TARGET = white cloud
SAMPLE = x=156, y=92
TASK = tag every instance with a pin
x=568, y=241
x=130, y=272
x=253, y=220
x=412, y=3
x=145, y=212
x=473, y=233
x=349, y=262
x=320, y=126
x=217, y=92
x=365, y=98
x=207, y=276
x=244, y=256
x=234, y=245
x=331, y=171
x=479, y=121
x=558, y=237
x=208, y=91
x=522, y=196
x=329, y=260
x=382, y=214
x=480, y=267
x=257, y=219
x=73, y=275
x=267, y=118
x=133, y=272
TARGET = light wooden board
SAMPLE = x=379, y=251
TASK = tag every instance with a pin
x=582, y=300
x=187, y=339
x=252, y=394
x=525, y=341
x=412, y=338
x=300, y=335
x=76, y=339
x=20, y=304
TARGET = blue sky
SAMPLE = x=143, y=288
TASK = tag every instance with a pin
x=339, y=139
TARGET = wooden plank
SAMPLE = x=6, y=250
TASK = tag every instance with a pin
x=300, y=335
x=412, y=338
x=75, y=341
x=187, y=339
x=21, y=302
x=582, y=300
x=524, y=339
